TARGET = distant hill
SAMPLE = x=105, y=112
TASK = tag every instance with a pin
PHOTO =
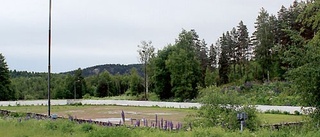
x=111, y=68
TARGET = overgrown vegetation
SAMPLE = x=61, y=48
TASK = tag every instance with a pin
x=220, y=108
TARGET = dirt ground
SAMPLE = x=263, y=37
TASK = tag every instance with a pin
x=111, y=112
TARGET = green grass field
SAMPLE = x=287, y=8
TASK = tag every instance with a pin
x=12, y=127
x=106, y=111
x=279, y=118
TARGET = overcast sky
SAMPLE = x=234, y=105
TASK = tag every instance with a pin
x=94, y=32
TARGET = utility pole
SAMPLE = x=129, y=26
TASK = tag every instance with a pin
x=145, y=74
x=49, y=59
x=75, y=90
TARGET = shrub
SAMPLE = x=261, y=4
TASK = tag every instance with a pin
x=272, y=111
x=87, y=96
x=153, y=96
x=67, y=126
x=17, y=114
x=220, y=108
x=87, y=127
x=286, y=112
x=51, y=125
x=297, y=112
x=76, y=104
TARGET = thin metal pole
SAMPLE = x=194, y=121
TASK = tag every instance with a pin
x=75, y=91
x=241, y=125
x=49, y=59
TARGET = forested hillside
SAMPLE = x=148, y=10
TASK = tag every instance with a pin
x=111, y=68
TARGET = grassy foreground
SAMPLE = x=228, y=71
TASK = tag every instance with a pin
x=10, y=127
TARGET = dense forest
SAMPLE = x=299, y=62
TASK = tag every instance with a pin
x=283, y=49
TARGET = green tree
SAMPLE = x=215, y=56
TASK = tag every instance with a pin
x=204, y=61
x=184, y=66
x=264, y=41
x=213, y=57
x=58, y=86
x=224, y=59
x=287, y=29
x=160, y=77
x=184, y=78
x=118, y=84
x=92, y=84
x=135, y=83
x=80, y=84
x=306, y=75
x=6, y=92
x=243, y=41
x=105, y=85
x=211, y=78
x=76, y=85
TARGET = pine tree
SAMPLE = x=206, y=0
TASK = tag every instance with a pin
x=204, y=61
x=233, y=49
x=224, y=65
x=6, y=92
x=264, y=41
x=243, y=46
x=306, y=72
x=213, y=53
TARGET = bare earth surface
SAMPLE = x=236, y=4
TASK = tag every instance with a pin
x=113, y=113
x=110, y=110
x=110, y=113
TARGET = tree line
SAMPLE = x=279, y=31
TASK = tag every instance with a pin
x=70, y=86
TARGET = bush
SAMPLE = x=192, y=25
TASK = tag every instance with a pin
x=220, y=108
x=51, y=125
x=297, y=112
x=87, y=96
x=67, y=126
x=17, y=114
x=87, y=127
x=286, y=112
x=272, y=111
x=153, y=96
x=76, y=104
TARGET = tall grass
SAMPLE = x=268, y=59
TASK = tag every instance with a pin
x=35, y=128
x=13, y=127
